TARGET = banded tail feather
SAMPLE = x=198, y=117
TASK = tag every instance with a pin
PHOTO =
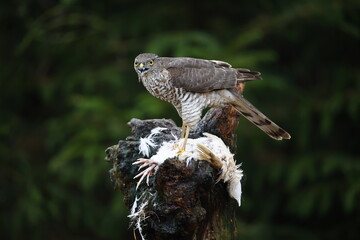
x=251, y=113
x=244, y=75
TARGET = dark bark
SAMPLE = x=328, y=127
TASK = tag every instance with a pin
x=181, y=202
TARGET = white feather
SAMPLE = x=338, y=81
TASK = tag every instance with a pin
x=138, y=214
x=133, y=208
x=144, y=146
x=147, y=142
x=229, y=172
x=234, y=186
x=156, y=131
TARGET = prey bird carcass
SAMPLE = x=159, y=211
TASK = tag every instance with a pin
x=209, y=148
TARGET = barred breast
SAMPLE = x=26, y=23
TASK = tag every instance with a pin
x=192, y=105
x=188, y=104
x=158, y=84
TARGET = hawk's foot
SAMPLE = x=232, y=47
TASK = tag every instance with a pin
x=180, y=151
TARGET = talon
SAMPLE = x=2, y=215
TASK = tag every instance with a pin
x=180, y=151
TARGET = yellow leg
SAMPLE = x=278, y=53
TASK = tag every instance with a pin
x=186, y=137
x=182, y=149
x=183, y=130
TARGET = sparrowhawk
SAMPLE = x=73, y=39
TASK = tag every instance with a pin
x=192, y=84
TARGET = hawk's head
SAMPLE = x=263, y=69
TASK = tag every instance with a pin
x=145, y=61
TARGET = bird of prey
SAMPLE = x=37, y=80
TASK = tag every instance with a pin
x=192, y=84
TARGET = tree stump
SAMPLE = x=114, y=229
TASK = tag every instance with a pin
x=182, y=201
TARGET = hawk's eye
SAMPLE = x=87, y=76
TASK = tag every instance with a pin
x=151, y=62
x=136, y=64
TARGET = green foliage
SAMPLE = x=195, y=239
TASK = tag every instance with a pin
x=67, y=90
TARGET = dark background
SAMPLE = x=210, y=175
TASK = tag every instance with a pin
x=68, y=88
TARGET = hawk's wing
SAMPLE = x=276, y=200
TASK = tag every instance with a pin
x=198, y=75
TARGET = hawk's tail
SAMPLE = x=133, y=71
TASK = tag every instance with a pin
x=251, y=113
x=244, y=75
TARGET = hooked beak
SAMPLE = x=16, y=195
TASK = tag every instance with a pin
x=142, y=67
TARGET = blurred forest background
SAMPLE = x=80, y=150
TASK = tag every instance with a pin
x=68, y=88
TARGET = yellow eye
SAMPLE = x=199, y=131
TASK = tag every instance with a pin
x=151, y=62
x=136, y=64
